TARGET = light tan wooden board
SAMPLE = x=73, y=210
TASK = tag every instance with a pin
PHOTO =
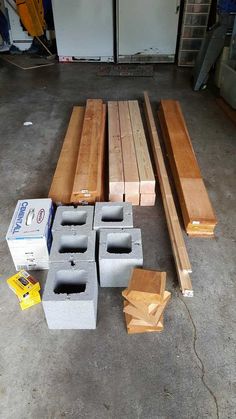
x=62, y=183
x=89, y=159
x=146, y=175
x=131, y=175
x=177, y=242
x=147, y=199
x=116, y=171
x=133, y=199
x=101, y=158
x=116, y=198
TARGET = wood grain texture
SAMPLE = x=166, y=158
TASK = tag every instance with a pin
x=88, y=181
x=116, y=198
x=147, y=199
x=146, y=175
x=194, y=200
x=182, y=262
x=116, y=171
x=131, y=175
x=62, y=183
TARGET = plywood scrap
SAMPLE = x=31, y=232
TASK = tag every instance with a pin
x=145, y=301
x=198, y=215
x=181, y=258
x=61, y=186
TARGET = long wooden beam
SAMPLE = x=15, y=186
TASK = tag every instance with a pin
x=62, y=183
x=182, y=262
x=197, y=211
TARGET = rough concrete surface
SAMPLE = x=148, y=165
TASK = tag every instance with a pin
x=188, y=370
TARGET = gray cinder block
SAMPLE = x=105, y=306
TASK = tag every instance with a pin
x=119, y=252
x=69, y=219
x=73, y=247
x=70, y=296
x=113, y=215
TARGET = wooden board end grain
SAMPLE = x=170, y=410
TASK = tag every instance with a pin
x=147, y=199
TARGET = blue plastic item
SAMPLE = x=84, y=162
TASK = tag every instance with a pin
x=227, y=6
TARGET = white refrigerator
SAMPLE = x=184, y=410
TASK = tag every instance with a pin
x=84, y=30
x=147, y=30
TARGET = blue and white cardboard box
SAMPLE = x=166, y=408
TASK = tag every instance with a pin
x=29, y=234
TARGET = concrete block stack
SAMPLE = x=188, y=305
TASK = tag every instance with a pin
x=120, y=245
x=71, y=290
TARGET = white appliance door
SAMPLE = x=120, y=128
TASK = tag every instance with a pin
x=84, y=28
x=147, y=29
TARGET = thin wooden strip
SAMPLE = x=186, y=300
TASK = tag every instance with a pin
x=116, y=171
x=61, y=186
x=86, y=176
x=183, y=266
x=194, y=200
x=101, y=157
x=131, y=176
x=146, y=175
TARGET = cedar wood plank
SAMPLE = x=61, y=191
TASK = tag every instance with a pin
x=61, y=186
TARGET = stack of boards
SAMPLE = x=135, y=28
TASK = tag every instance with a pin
x=198, y=215
x=131, y=177
x=79, y=175
x=145, y=301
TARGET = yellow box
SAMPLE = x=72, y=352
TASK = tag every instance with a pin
x=30, y=300
x=22, y=283
x=26, y=288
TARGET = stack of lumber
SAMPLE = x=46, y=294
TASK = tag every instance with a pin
x=181, y=258
x=197, y=211
x=145, y=301
x=79, y=175
x=131, y=177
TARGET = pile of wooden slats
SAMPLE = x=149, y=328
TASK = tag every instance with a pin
x=79, y=175
x=181, y=258
x=145, y=301
x=198, y=215
x=131, y=177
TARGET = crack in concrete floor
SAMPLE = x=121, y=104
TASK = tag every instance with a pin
x=201, y=366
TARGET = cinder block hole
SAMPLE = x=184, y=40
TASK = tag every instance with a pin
x=73, y=244
x=73, y=218
x=119, y=243
x=70, y=282
x=110, y=213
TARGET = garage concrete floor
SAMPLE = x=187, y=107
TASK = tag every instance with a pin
x=188, y=371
